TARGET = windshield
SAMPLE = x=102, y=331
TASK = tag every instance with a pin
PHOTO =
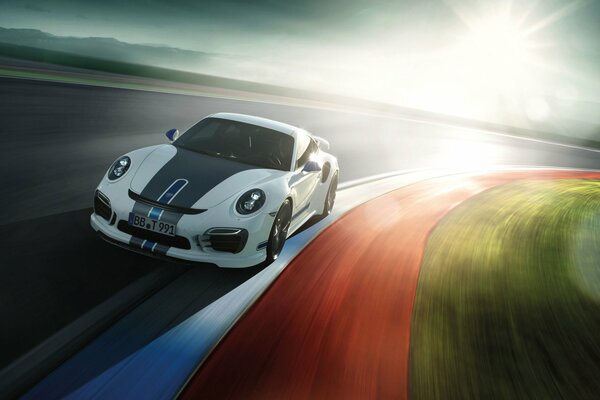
x=246, y=143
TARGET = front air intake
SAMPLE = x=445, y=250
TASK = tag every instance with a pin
x=228, y=240
x=102, y=205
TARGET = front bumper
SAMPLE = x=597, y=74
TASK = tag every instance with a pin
x=192, y=228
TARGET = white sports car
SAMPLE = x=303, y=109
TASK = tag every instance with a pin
x=229, y=191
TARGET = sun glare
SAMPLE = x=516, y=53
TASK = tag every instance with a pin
x=497, y=65
x=496, y=54
x=468, y=154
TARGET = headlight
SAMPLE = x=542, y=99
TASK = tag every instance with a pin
x=119, y=168
x=250, y=202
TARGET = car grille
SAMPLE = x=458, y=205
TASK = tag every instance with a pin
x=229, y=240
x=102, y=205
x=172, y=241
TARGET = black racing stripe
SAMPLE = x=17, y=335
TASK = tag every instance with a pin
x=170, y=217
x=141, y=208
x=202, y=172
x=161, y=249
x=166, y=216
x=136, y=242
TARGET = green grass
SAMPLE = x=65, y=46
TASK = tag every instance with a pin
x=508, y=303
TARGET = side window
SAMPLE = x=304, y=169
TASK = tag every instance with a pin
x=305, y=150
x=302, y=148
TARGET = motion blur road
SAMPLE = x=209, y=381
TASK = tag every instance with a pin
x=338, y=319
x=58, y=140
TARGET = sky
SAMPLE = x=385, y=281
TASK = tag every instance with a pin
x=529, y=60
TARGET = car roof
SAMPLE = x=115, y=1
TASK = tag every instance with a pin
x=259, y=121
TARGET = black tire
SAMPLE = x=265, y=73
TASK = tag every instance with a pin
x=279, y=231
x=330, y=198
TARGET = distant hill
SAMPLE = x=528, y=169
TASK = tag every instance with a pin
x=111, y=49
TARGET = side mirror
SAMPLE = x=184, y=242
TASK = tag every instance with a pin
x=323, y=144
x=172, y=134
x=311, y=166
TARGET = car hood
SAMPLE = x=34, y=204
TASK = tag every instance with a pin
x=207, y=180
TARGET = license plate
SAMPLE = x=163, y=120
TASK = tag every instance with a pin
x=144, y=222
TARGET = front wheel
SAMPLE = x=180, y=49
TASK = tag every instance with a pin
x=279, y=231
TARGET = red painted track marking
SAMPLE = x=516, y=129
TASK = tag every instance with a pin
x=336, y=323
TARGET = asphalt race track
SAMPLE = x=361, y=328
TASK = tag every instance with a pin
x=58, y=139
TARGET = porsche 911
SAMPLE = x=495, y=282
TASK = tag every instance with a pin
x=229, y=191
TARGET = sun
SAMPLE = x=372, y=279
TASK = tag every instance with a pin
x=496, y=54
